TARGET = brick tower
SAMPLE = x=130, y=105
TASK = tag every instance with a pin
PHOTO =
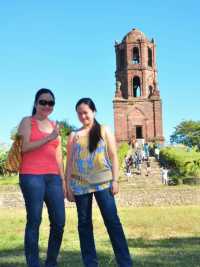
x=137, y=103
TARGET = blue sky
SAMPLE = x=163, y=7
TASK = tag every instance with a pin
x=69, y=47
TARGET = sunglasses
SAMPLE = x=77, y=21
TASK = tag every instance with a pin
x=43, y=102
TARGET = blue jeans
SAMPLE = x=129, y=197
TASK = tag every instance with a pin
x=36, y=190
x=106, y=203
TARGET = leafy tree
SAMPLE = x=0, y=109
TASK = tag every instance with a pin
x=65, y=130
x=187, y=133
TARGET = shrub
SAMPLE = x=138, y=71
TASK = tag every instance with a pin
x=184, y=162
x=122, y=152
x=65, y=130
x=3, y=156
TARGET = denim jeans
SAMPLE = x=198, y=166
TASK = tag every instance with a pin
x=106, y=203
x=36, y=190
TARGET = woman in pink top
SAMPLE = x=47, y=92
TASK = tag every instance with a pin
x=41, y=178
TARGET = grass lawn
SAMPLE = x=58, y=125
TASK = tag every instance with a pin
x=9, y=180
x=157, y=237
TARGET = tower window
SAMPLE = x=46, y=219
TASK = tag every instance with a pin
x=121, y=58
x=149, y=57
x=135, y=56
x=136, y=87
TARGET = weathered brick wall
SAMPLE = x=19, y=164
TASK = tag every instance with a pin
x=141, y=112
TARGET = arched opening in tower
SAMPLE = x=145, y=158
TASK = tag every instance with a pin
x=136, y=87
x=149, y=57
x=135, y=56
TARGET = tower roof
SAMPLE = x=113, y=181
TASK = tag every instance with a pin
x=134, y=36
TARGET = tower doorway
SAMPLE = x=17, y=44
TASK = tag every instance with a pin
x=139, y=132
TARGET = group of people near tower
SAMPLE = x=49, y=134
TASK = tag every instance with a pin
x=91, y=171
x=139, y=154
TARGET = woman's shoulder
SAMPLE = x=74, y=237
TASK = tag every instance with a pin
x=72, y=135
x=24, y=124
x=105, y=129
x=79, y=132
x=106, y=132
x=53, y=123
x=25, y=120
x=75, y=131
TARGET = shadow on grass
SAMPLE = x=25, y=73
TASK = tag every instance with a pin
x=15, y=258
x=164, y=243
x=172, y=252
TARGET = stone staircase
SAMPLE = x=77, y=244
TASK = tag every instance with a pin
x=142, y=180
x=141, y=190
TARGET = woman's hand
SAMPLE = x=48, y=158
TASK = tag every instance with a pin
x=69, y=193
x=64, y=188
x=24, y=130
x=114, y=187
x=54, y=134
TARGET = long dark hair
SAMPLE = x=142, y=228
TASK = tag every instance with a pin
x=38, y=94
x=95, y=131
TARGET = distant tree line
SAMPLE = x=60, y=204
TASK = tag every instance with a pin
x=187, y=133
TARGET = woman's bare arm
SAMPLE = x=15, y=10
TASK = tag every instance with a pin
x=69, y=159
x=68, y=170
x=112, y=153
x=59, y=159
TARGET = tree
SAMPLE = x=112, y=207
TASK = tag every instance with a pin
x=3, y=156
x=65, y=130
x=187, y=133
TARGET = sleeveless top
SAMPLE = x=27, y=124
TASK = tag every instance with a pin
x=90, y=171
x=41, y=160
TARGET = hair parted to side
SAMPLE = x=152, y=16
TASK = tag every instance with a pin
x=38, y=94
x=95, y=131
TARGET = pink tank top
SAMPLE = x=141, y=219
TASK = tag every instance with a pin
x=41, y=160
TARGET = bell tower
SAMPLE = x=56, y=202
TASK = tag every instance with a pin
x=137, y=103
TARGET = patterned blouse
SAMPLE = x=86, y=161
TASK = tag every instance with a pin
x=86, y=163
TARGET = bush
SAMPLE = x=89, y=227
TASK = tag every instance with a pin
x=3, y=156
x=65, y=130
x=184, y=162
x=122, y=152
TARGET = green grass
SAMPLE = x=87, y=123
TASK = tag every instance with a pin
x=157, y=237
x=9, y=180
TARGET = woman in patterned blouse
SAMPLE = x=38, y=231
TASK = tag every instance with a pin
x=92, y=169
